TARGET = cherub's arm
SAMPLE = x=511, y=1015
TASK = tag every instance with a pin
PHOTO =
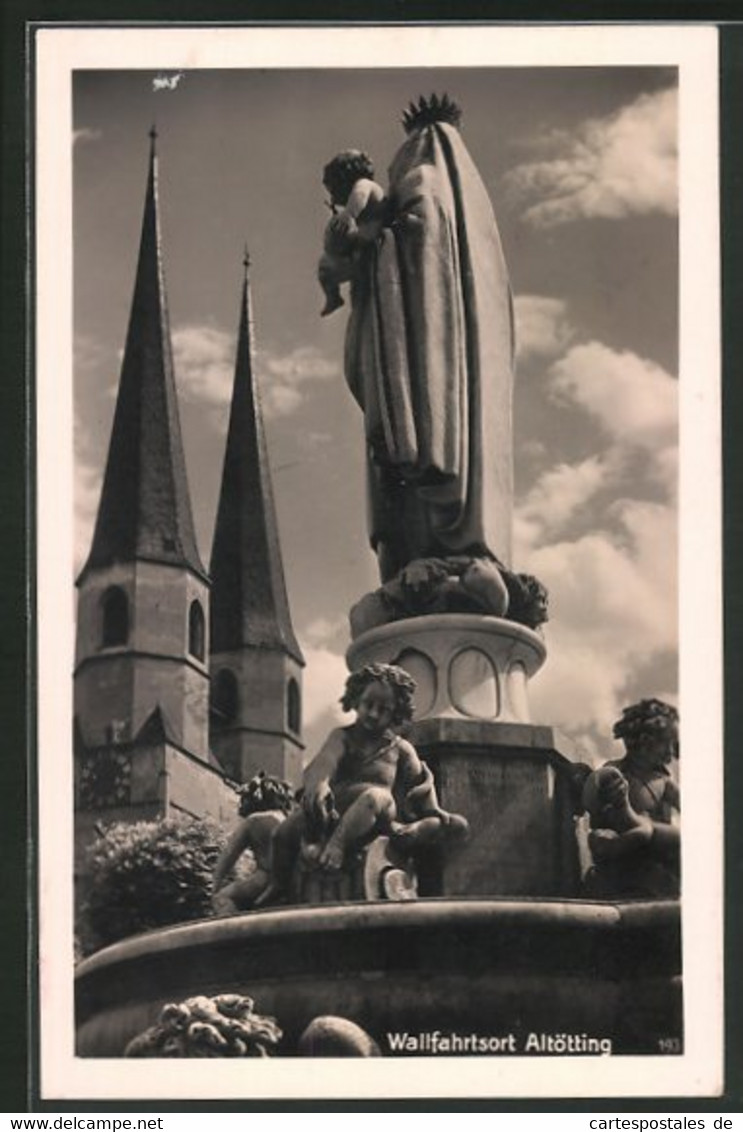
x=410, y=767
x=607, y=844
x=237, y=844
x=672, y=798
x=362, y=193
x=319, y=773
x=420, y=798
x=424, y=820
x=667, y=834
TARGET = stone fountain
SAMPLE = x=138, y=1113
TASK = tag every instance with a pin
x=500, y=947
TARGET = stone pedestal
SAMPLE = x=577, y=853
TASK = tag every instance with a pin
x=466, y=665
x=510, y=779
x=514, y=784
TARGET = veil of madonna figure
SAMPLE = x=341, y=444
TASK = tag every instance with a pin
x=430, y=342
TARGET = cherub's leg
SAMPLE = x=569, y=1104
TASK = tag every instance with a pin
x=223, y=904
x=333, y=301
x=285, y=849
x=425, y=831
x=240, y=895
x=328, y=277
x=429, y=830
x=374, y=806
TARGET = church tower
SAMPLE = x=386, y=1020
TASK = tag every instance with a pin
x=256, y=661
x=141, y=666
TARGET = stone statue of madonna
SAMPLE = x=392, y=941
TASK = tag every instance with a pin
x=429, y=344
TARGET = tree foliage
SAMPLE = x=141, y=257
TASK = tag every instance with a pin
x=148, y=875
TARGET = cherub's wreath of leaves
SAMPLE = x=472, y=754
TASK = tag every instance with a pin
x=401, y=682
x=265, y=792
x=648, y=719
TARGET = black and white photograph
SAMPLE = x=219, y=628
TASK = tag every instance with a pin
x=378, y=557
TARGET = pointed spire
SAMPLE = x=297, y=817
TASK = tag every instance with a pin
x=145, y=507
x=249, y=605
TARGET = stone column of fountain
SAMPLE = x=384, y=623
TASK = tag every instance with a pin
x=509, y=777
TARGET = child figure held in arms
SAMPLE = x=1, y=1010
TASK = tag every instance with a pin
x=359, y=207
x=363, y=780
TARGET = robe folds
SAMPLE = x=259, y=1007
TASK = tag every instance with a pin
x=429, y=358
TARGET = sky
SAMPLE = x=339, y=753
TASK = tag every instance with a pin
x=581, y=166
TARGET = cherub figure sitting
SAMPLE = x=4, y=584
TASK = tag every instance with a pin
x=264, y=804
x=366, y=780
x=616, y=828
x=360, y=211
x=634, y=806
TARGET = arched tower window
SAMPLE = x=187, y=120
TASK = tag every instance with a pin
x=293, y=706
x=196, y=635
x=225, y=696
x=115, y=606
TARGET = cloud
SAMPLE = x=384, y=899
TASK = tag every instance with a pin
x=557, y=495
x=535, y=449
x=651, y=540
x=88, y=463
x=542, y=327
x=666, y=464
x=289, y=377
x=304, y=363
x=85, y=135
x=89, y=355
x=87, y=491
x=600, y=533
x=323, y=683
x=624, y=579
x=204, y=360
x=281, y=400
x=324, y=631
x=633, y=399
x=609, y=168
x=614, y=601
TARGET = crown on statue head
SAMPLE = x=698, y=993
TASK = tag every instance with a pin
x=428, y=111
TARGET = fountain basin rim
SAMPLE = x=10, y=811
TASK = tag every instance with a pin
x=436, y=913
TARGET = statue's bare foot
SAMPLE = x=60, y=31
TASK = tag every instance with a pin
x=415, y=834
x=332, y=304
x=225, y=908
x=332, y=856
x=272, y=894
x=457, y=827
x=402, y=834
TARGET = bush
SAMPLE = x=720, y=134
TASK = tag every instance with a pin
x=148, y=875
